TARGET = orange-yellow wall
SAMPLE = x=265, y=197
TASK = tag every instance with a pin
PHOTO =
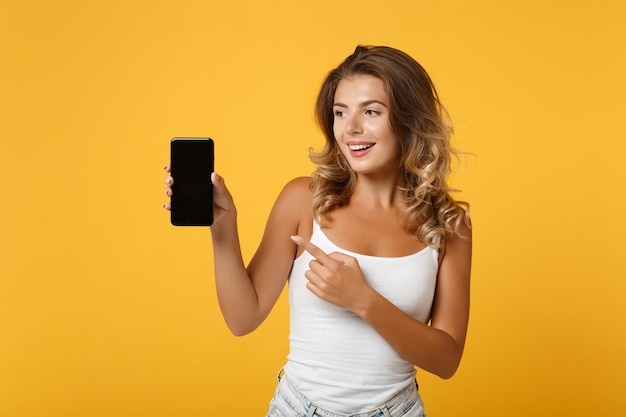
x=107, y=310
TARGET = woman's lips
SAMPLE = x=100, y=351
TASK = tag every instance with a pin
x=359, y=149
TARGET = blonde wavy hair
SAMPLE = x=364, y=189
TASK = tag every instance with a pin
x=421, y=125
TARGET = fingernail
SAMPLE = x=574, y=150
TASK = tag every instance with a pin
x=296, y=239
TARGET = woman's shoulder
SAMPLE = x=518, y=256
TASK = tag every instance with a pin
x=298, y=188
x=293, y=206
x=296, y=193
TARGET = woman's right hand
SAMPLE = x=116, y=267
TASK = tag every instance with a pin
x=223, y=204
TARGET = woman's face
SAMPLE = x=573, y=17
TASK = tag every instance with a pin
x=361, y=126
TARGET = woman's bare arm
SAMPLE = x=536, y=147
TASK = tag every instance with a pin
x=247, y=295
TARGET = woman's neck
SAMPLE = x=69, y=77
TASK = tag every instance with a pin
x=378, y=193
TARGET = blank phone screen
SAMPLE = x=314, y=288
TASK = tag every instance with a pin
x=191, y=166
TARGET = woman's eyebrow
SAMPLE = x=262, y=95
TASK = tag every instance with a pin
x=363, y=104
x=368, y=102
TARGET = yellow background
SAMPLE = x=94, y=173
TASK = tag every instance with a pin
x=108, y=310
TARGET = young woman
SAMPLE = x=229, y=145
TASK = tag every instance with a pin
x=375, y=250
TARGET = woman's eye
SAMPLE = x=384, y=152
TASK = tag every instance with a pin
x=371, y=112
x=340, y=113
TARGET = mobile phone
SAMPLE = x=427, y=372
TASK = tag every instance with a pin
x=191, y=165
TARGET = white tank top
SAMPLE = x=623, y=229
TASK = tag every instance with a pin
x=336, y=359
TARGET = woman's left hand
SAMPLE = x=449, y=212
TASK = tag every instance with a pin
x=335, y=277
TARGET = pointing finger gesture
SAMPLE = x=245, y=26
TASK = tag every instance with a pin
x=335, y=277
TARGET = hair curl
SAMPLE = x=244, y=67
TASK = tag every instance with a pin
x=423, y=129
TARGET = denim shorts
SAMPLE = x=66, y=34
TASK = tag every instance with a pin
x=289, y=402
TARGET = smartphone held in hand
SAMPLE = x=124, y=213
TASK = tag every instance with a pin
x=191, y=164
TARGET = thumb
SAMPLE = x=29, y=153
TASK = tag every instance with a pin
x=219, y=187
x=218, y=182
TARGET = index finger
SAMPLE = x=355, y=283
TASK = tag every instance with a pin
x=316, y=252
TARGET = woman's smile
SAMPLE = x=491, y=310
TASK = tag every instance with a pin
x=359, y=149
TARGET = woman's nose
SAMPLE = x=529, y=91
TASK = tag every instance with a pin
x=354, y=125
